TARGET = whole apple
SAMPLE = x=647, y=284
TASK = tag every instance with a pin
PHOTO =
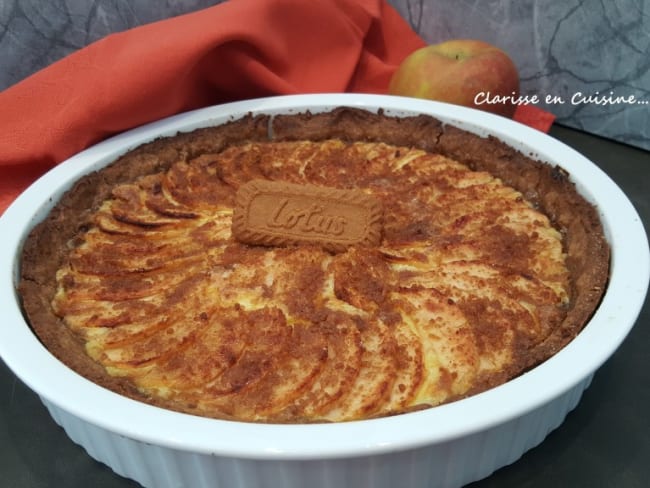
x=465, y=72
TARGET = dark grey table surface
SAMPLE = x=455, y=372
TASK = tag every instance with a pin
x=604, y=442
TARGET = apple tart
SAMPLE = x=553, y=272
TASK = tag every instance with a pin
x=475, y=264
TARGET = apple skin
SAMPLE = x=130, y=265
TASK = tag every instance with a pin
x=456, y=71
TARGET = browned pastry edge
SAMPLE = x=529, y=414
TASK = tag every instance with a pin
x=547, y=187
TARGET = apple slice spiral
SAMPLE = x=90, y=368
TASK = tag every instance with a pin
x=467, y=278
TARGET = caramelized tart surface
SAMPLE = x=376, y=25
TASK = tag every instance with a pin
x=469, y=278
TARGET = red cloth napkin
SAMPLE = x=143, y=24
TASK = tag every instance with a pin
x=534, y=117
x=236, y=50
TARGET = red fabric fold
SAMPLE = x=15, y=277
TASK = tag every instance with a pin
x=236, y=50
x=534, y=117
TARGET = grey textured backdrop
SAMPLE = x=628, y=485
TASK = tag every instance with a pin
x=566, y=50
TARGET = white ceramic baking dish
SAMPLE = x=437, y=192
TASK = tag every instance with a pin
x=448, y=446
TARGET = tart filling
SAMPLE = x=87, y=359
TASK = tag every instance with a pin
x=468, y=283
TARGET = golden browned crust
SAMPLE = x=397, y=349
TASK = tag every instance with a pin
x=547, y=188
